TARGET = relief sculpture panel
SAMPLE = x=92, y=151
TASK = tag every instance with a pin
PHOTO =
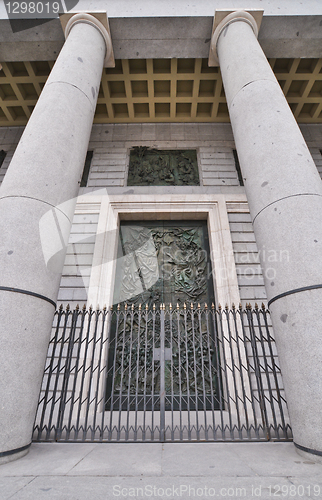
x=162, y=263
x=152, y=167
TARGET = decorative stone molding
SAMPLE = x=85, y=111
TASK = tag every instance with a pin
x=99, y=21
x=225, y=17
x=155, y=207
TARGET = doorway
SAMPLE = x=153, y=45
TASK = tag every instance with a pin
x=162, y=357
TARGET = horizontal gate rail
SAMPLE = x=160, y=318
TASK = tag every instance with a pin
x=142, y=374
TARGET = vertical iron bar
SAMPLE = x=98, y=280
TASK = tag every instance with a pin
x=153, y=374
x=203, y=373
x=60, y=314
x=210, y=367
x=192, y=316
x=171, y=373
x=179, y=370
x=99, y=371
x=73, y=391
x=118, y=313
x=241, y=366
x=83, y=368
x=162, y=376
x=261, y=397
x=122, y=373
x=145, y=371
x=96, y=315
x=221, y=373
x=60, y=357
x=225, y=372
x=261, y=339
x=108, y=319
x=137, y=375
x=68, y=360
x=279, y=397
x=187, y=368
x=128, y=406
x=249, y=366
x=233, y=371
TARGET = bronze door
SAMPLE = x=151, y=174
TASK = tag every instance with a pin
x=159, y=353
x=164, y=262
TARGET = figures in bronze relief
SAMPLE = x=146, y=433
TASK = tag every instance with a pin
x=151, y=167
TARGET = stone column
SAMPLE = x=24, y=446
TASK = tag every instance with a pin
x=284, y=193
x=44, y=173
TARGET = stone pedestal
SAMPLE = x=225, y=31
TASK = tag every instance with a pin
x=42, y=180
x=284, y=193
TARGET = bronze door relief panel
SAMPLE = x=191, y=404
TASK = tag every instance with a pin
x=163, y=262
x=161, y=358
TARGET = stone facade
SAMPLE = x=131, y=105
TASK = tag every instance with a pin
x=59, y=241
x=111, y=145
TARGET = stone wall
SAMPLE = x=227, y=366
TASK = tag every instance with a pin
x=249, y=272
x=111, y=145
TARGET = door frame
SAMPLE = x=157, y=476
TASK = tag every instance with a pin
x=114, y=208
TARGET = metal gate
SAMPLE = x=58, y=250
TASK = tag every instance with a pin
x=162, y=374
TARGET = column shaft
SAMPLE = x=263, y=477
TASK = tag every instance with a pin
x=37, y=200
x=284, y=192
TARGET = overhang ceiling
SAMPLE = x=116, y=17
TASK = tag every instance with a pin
x=160, y=90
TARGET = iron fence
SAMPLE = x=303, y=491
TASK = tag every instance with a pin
x=163, y=374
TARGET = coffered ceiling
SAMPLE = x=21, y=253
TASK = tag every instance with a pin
x=160, y=90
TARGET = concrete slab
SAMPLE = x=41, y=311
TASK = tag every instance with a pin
x=48, y=459
x=11, y=485
x=277, y=459
x=83, y=488
x=81, y=471
x=121, y=459
x=203, y=460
